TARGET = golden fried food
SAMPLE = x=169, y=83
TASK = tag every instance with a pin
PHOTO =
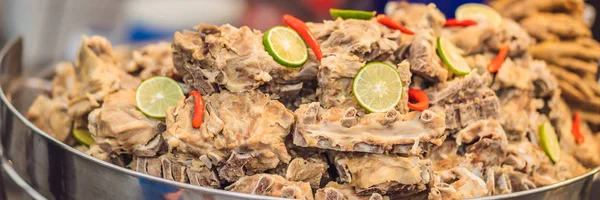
x=519, y=9
x=572, y=79
x=571, y=55
x=553, y=27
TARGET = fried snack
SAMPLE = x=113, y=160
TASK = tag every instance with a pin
x=572, y=55
x=519, y=9
x=573, y=79
x=591, y=117
x=555, y=26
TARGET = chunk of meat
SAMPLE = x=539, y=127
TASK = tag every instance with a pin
x=226, y=56
x=242, y=133
x=518, y=9
x=511, y=33
x=488, y=141
x=97, y=75
x=465, y=101
x=335, y=191
x=471, y=39
x=119, y=123
x=408, y=14
x=310, y=170
x=64, y=83
x=369, y=173
x=50, y=115
x=525, y=156
x=272, y=185
x=555, y=26
x=152, y=60
x=414, y=133
x=335, y=78
x=422, y=53
x=366, y=39
x=567, y=167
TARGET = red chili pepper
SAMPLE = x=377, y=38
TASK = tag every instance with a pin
x=420, y=97
x=495, y=65
x=576, y=132
x=390, y=23
x=300, y=27
x=198, y=109
x=462, y=23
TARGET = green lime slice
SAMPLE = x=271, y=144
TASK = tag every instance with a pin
x=285, y=46
x=83, y=136
x=351, y=14
x=549, y=141
x=156, y=94
x=377, y=87
x=479, y=12
x=451, y=57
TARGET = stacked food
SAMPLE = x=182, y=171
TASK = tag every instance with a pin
x=402, y=105
x=565, y=41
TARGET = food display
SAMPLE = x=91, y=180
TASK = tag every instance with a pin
x=565, y=42
x=399, y=105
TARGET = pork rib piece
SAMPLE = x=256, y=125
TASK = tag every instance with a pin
x=152, y=60
x=272, y=185
x=370, y=173
x=414, y=133
x=423, y=58
x=465, y=101
x=335, y=191
x=242, y=133
x=180, y=169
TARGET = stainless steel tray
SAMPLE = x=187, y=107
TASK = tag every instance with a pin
x=47, y=168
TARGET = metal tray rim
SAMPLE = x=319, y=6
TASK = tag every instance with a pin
x=18, y=40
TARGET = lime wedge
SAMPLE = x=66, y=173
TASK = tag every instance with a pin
x=156, y=94
x=451, y=57
x=285, y=46
x=351, y=14
x=377, y=87
x=83, y=136
x=549, y=141
x=479, y=12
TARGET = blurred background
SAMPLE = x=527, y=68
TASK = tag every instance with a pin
x=53, y=28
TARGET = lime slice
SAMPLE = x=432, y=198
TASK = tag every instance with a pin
x=451, y=57
x=479, y=12
x=549, y=141
x=285, y=46
x=351, y=14
x=377, y=87
x=83, y=136
x=156, y=94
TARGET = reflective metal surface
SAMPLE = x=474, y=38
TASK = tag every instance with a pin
x=50, y=169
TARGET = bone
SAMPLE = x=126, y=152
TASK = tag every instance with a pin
x=349, y=119
x=390, y=117
x=288, y=192
x=167, y=169
x=263, y=184
x=376, y=196
x=206, y=161
x=503, y=185
x=154, y=146
x=333, y=194
x=310, y=117
x=233, y=169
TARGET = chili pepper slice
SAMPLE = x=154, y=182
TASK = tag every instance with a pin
x=198, y=116
x=495, y=65
x=420, y=97
x=575, y=130
x=461, y=23
x=390, y=23
x=300, y=27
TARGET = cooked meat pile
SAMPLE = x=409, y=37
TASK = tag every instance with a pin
x=565, y=42
x=300, y=133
